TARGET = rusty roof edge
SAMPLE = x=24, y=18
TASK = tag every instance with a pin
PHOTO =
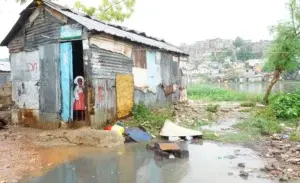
x=18, y=24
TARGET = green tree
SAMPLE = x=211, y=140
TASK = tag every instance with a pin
x=108, y=10
x=285, y=50
x=245, y=53
x=238, y=42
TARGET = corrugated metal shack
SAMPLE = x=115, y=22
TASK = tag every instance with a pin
x=4, y=72
x=50, y=45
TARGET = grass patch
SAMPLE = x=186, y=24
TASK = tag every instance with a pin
x=295, y=136
x=239, y=137
x=230, y=137
x=212, y=108
x=248, y=104
x=209, y=135
x=151, y=120
x=260, y=125
x=213, y=93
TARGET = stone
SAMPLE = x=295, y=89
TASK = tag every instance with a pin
x=241, y=165
x=294, y=160
x=283, y=179
x=244, y=174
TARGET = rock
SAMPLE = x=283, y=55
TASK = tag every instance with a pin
x=230, y=173
x=225, y=110
x=269, y=168
x=290, y=170
x=275, y=137
x=283, y=179
x=244, y=174
x=294, y=160
x=229, y=157
x=241, y=165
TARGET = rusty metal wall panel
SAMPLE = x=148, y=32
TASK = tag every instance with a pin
x=106, y=64
x=45, y=29
x=25, y=94
x=105, y=102
x=139, y=57
x=165, y=65
x=49, y=81
x=124, y=89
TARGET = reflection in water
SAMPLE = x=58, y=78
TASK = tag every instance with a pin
x=260, y=87
x=136, y=164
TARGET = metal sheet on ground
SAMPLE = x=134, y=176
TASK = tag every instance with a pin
x=172, y=130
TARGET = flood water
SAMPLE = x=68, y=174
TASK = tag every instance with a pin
x=133, y=163
x=282, y=86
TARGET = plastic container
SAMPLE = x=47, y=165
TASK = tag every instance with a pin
x=118, y=127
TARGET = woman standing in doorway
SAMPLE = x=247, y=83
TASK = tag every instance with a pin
x=79, y=103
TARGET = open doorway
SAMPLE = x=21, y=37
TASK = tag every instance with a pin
x=79, y=105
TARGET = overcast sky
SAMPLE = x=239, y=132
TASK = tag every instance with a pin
x=179, y=21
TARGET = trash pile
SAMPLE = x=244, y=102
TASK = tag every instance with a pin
x=170, y=131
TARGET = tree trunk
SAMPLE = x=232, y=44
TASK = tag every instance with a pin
x=275, y=78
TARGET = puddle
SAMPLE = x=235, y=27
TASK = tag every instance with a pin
x=222, y=126
x=208, y=162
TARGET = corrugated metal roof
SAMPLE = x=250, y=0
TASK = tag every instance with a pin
x=5, y=66
x=119, y=31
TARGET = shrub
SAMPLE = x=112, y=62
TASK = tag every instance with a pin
x=286, y=106
x=212, y=108
x=151, y=120
x=248, y=104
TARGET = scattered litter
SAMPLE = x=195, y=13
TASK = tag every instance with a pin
x=189, y=138
x=171, y=156
x=284, y=137
x=138, y=135
x=170, y=129
x=171, y=138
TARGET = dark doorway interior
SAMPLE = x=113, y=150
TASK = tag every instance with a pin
x=78, y=70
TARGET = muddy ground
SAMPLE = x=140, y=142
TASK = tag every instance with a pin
x=30, y=152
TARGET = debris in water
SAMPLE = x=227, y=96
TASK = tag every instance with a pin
x=167, y=150
x=137, y=134
x=241, y=165
x=230, y=173
x=244, y=174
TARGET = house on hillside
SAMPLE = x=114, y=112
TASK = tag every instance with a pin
x=68, y=67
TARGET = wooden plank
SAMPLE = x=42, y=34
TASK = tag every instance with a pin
x=168, y=146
